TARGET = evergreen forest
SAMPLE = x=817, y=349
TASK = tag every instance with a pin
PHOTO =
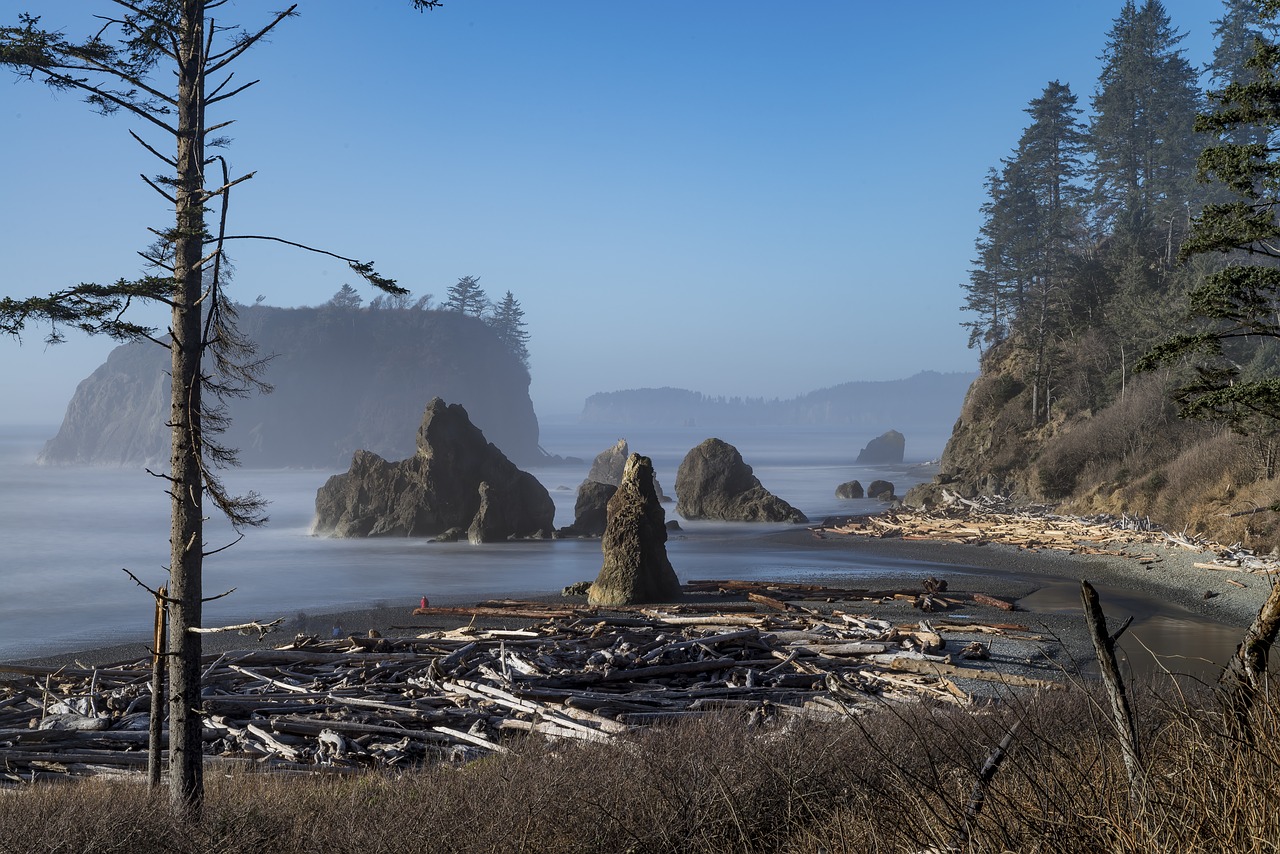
x=1123, y=293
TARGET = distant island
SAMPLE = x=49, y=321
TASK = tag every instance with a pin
x=346, y=378
x=925, y=399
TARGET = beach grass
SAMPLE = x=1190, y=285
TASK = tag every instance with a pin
x=902, y=779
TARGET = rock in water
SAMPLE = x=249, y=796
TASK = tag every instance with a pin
x=591, y=510
x=881, y=490
x=885, y=449
x=455, y=480
x=636, y=568
x=608, y=466
x=849, y=489
x=713, y=482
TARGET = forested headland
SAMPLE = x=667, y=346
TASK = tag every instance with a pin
x=1123, y=293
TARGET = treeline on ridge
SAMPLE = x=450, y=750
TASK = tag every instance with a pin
x=1124, y=290
x=924, y=401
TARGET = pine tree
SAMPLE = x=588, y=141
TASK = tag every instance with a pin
x=1234, y=34
x=467, y=297
x=507, y=322
x=165, y=63
x=1032, y=222
x=1233, y=311
x=1142, y=139
x=347, y=297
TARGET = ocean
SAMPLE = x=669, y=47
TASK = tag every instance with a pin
x=69, y=532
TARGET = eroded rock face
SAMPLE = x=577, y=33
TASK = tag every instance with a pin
x=885, y=449
x=713, y=482
x=455, y=480
x=636, y=568
x=608, y=466
x=591, y=510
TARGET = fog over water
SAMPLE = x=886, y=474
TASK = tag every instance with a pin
x=69, y=531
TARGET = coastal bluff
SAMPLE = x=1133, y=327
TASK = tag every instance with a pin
x=344, y=379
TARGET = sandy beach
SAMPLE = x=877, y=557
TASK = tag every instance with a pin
x=1044, y=584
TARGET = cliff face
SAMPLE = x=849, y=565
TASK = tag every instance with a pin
x=1131, y=455
x=345, y=379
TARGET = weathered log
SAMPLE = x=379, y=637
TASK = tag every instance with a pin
x=1121, y=714
x=992, y=601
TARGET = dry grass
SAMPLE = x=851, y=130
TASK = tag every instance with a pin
x=897, y=781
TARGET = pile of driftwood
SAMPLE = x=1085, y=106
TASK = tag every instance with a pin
x=366, y=702
x=994, y=519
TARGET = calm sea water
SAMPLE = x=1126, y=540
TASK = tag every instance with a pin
x=66, y=534
x=69, y=532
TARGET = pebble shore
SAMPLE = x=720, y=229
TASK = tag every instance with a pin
x=1128, y=588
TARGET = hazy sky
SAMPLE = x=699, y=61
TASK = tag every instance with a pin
x=742, y=198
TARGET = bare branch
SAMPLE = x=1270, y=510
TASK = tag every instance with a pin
x=222, y=60
x=153, y=185
x=219, y=126
x=156, y=592
x=136, y=109
x=362, y=268
x=219, y=596
x=209, y=194
x=227, y=546
x=147, y=146
x=215, y=98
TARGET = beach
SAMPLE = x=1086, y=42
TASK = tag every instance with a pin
x=1170, y=592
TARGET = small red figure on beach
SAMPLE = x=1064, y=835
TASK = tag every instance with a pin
x=424, y=602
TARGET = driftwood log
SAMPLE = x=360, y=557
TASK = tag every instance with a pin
x=994, y=519
x=345, y=704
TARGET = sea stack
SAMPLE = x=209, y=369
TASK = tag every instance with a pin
x=636, y=568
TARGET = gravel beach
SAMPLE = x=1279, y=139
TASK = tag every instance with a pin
x=1044, y=584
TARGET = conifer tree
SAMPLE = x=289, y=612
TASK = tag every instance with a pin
x=467, y=296
x=166, y=63
x=1234, y=34
x=1235, y=311
x=1142, y=139
x=507, y=321
x=346, y=297
x=1032, y=223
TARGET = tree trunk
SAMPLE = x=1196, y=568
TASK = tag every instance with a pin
x=159, y=661
x=1245, y=675
x=186, y=781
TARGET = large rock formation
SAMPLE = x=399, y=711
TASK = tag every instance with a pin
x=713, y=482
x=591, y=509
x=636, y=568
x=609, y=464
x=849, y=489
x=885, y=449
x=602, y=481
x=455, y=480
x=881, y=490
x=344, y=378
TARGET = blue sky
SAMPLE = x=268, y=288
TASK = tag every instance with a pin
x=741, y=198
